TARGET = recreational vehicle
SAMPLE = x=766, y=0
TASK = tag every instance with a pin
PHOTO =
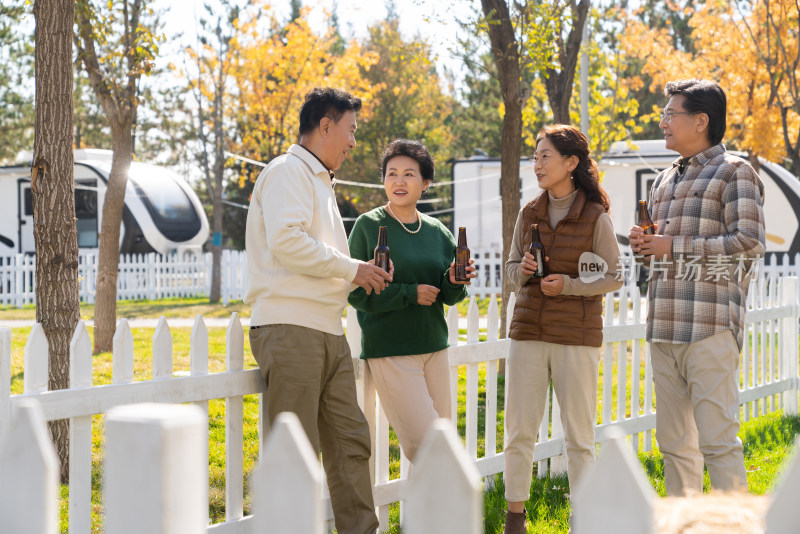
x=628, y=171
x=161, y=214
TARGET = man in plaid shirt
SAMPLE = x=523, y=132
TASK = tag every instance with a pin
x=708, y=211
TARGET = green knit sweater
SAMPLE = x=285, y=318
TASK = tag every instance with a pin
x=392, y=323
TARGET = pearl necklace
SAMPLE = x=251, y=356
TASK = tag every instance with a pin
x=389, y=208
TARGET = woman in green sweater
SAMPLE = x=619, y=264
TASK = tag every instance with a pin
x=404, y=331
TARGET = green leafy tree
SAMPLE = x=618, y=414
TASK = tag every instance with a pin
x=477, y=120
x=116, y=47
x=16, y=80
x=211, y=87
x=407, y=102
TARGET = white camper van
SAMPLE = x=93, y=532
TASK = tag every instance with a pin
x=628, y=171
x=161, y=214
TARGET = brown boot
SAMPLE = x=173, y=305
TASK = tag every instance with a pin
x=515, y=523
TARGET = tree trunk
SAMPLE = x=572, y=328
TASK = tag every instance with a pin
x=559, y=83
x=53, y=193
x=216, y=251
x=105, y=311
x=505, y=51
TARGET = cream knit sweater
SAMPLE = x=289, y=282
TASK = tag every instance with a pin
x=299, y=267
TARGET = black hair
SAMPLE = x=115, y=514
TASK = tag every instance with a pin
x=414, y=150
x=325, y=102
x=703, y=96
x=570, y=141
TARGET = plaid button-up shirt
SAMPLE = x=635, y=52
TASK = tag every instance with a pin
x=715, y=213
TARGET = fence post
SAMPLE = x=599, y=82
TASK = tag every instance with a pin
x=615, y=497
x=29, y=471
x=162, y=350
x=80, y=435
x=287, y=484
x=234, y=424
x=154, y=479
x=788, y=344
x=783, y=515
x=36, y=363
x=122, y=363
x=198, y=365
x=443, y=474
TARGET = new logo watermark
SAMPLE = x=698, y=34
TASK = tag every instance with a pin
x=591, y=267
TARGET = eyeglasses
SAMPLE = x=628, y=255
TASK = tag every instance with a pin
x=544, y=159
x=666, y=116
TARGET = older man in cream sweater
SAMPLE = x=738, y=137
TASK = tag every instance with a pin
x=299, y=276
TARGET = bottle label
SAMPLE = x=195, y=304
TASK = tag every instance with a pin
x=382, y=260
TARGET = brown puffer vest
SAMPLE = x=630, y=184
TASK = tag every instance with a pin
x=566, y=320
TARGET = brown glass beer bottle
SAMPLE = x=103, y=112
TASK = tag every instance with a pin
x=644, y=221
x=462, y=256
x=537, y=250
x=382, y=250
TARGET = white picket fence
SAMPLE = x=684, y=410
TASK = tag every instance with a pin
x=770, y=380
x=140, y=277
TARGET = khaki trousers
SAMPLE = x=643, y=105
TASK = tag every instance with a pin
x=697, y=403
x=573, y=371
x=310, y=373
x=414, y=392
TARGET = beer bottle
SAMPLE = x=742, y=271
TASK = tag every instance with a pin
x=644, y=221
x=537, y=250
x=382, y=250
x=462, y=256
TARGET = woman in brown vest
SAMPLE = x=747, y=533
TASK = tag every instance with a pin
x=557, y=325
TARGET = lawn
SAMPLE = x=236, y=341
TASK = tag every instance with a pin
x=766, y=439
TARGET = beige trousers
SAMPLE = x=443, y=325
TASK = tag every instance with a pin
x=414, y=392
x=573, y=371
x=697, y=403
x=310, y=373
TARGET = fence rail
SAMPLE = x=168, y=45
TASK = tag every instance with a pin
x=153, y=276
x=770, y=380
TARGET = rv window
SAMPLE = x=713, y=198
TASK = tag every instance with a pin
x=28, y=201
x=162, y=192
x=86, y=212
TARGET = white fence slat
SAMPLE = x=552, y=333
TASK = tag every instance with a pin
x=471, y=404
x=122, y=366
x=783, y=515
x=490, y=430
x=287, y=484
x=162, y=350
x=544, y=433
x=444, y=475
x=234, y=425
x=788, y=341
x=80, y=435
x=5, y=381
x=154, y=479
x=452, y=328
x=558, y=463
x=381, y=459
x=198, y=366
x=616, y=478
x=36, y=361
x=29, y=471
